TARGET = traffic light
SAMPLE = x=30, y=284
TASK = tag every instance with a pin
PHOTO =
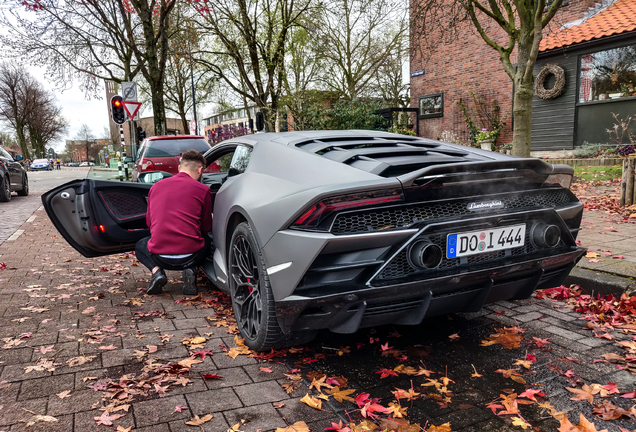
x=260, y=121
x=117, y=109
x=141, y=134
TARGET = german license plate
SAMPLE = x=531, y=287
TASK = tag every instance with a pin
x=483, y=241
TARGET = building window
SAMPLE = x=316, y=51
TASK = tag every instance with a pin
x=431, y=106
x=609, y=74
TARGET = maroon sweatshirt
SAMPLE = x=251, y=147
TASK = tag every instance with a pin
x=179, y=211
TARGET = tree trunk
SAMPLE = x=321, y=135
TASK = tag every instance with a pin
x=184, y=124
x=22, y=141
x=522, y=112
x=159, y=109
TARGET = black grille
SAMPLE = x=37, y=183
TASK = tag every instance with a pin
x=393, y=307
x=399, y=267
x=123, y=205
x=400, y=217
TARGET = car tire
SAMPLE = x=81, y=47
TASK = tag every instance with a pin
x=5, y=189
x=252, y=297
x=25, y=186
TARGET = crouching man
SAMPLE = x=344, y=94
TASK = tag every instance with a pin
x=179, y=215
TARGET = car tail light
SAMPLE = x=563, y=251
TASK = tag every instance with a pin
x=317, y=213
x=563, y=180
x=147, y=165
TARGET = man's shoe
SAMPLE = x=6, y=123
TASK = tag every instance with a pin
x=189, y=282
x=157, y=282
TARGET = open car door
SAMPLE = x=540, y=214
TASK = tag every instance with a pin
x=99, y=217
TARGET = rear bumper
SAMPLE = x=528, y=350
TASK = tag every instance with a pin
x=408, y=303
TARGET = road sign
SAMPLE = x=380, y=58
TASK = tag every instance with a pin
x=132, y=109
x=110, y=147
x=193, y=125
x=129, y=91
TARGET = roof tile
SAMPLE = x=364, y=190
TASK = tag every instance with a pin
x=618, y=18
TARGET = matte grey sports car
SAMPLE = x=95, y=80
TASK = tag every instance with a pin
x=349, y=229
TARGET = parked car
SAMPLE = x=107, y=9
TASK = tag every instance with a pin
x=342, y=230
x=41, y=165
x=13, y=177
x=161, y=153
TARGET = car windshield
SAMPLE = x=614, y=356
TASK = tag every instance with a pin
x=40, y=161
x=174, y=147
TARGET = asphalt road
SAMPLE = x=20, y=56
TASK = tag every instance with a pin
x=14, y=213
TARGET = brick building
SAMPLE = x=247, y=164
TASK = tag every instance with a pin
x=85, y=150
x=453, y=71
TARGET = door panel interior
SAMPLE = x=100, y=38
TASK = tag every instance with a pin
x=99, y=217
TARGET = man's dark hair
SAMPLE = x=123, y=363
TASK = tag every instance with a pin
x=192, y=158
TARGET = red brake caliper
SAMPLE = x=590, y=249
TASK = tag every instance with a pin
x=250, y=288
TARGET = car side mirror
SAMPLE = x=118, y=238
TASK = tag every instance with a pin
x=19, y=158
x=128, y=159
x=152, y=176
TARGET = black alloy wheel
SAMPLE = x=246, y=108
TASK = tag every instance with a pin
x=25, y=186
x=5, y=189
x=252, y=297
x=247, y=289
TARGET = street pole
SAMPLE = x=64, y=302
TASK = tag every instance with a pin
x=194, y=100
x=123, y=154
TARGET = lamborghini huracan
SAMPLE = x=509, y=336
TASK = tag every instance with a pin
x=342, y=230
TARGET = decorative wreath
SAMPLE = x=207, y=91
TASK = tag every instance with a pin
x=559, y=85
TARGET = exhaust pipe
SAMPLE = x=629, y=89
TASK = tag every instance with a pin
x=425, y=255
x=544, y=235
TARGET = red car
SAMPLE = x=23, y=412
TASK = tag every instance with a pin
x=161, y=153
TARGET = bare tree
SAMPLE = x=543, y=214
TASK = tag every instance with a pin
x=94, y=40
x=389, y=80
x=247, y=47
x=85, y=134
x=16, y=88
x=511, y=27
x=302, y=83
x=45, y=122
x=357, y=38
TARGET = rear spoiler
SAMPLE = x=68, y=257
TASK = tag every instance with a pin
x=536, y=165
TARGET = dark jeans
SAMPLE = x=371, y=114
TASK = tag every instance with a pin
x=151, y=260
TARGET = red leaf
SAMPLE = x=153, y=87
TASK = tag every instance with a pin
x=362, y=399
x=540, y=342
x=211, y=376
x=531, y=393
x=386, y=372
x=202, y=353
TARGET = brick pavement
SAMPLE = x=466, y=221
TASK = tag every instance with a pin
x=53, y=299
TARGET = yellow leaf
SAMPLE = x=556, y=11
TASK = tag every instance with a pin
x=299, y=426
x=319, y=383
x=441, y=428
x=341, y=395
x=195, y=340
x=518, y=379
x=196, y=421
x=518, y=421
x=312, y=401
x=189, y=362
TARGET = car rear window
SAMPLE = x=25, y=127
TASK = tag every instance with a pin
x=40, y=161
x=168, y=147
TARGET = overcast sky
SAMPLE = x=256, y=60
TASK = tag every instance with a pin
x=76, y=109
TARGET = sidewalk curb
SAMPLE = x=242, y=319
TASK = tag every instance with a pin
x=601, y=283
